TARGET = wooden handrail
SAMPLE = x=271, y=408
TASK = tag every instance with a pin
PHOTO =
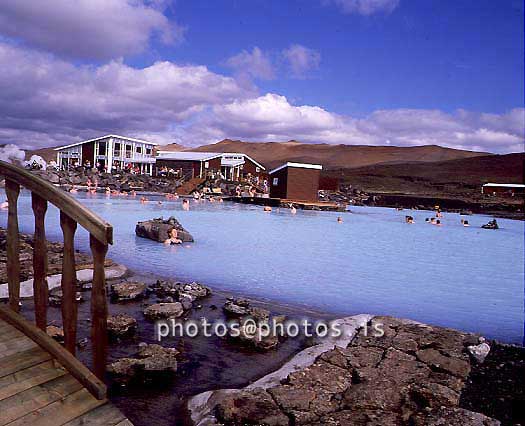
x=72, y=213
x=90, y=221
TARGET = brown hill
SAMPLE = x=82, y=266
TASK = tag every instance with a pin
x=47, y=154
x=175, y=147
x=272, y=154
x=461, y=175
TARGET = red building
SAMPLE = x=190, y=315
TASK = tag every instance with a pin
x=192, y=164
x=503, y=189
x=295, y=181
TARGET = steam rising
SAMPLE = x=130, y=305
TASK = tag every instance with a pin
x=12, y=154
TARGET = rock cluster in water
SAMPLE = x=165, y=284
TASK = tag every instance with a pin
x=159, y=230
x=413, y=374
x=54, y=256
x=153, y=363
x=121, y=326
x=251, y=321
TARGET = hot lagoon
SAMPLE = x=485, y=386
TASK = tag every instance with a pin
x=466, y=278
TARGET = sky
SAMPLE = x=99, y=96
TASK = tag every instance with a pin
x=359, y=72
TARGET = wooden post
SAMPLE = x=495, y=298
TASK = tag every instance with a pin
x=99, y=308
x=12, y=190
x=69, y=283
x=40, y=289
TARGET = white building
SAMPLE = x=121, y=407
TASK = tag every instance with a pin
x=109, y=153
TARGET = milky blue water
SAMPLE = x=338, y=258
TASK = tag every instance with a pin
x=466, y=278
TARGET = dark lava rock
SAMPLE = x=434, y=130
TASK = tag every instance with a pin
x=56, y=295
x=55, y=332
x=163, y=311
x=121, y=326
x=159, y=229
x=153, y=363
x=126, y=291
x=250, y=408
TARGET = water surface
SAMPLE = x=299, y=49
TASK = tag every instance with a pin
x=466, y=278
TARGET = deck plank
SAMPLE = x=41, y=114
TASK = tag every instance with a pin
x=107, y=415
x=37, y=397
x=62, y=410
x=29, y=377
x=25, y=359
x=36, y=390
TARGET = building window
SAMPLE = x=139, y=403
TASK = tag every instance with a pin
x=206, y=164
x=148, y=151
x=101, y=148
x=257, y=169
x=275, y=181
x=117, y=149
x=139, y=150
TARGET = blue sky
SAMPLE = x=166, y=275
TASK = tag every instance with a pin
x=424, y=54
x=378, y=72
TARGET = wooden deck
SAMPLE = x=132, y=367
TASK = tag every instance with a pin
x=36, y=390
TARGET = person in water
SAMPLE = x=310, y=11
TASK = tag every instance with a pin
x=433, y=220
x=465, y=222
x=267, y=209
x=409, y=219
x=339, y=219
x=185, y=204
x=173, y=238
x=438, y=222
x=293, y=210
x=4, y=205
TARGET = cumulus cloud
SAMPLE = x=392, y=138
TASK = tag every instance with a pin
x=366, y=7
x=301, y=59
x=48, y=101
x=45, y=101
x=272, y=117
x=92, y=29
x=256, y=64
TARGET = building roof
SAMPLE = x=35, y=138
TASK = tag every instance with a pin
x=187, y=155
x=104, y=137
x=298, y=165
x=506, y=185
x=205, y=156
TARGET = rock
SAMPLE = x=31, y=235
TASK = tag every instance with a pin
x=479, y=352
x=180, y=291
x=236, y=308
x=453, y=417
x=126, y=291
x=254, y=337
x=56, y=295
x=121, y=325
x=153, y=363
x=56, y=333
x=250, y=408
x=159, y=229
x=164, y=311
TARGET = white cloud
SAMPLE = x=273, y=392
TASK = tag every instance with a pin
x=256, y=64
x=366, y=7
x=273, y=118
x=93, y=29
x=48, y=101
x=45, y=101
x=301, y=59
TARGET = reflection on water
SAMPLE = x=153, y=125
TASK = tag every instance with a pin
x=466, y=278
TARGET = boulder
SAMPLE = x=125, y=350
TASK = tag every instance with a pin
x=126, y=291
x=121, y=325
x=163, y=311
x=56, y=295
x=153, y=363
x=55, y=332
x=159, y=229
x=186, y=293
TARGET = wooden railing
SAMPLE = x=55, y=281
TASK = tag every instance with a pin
x=101, y=234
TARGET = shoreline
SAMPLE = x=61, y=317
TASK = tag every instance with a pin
x=208, y=364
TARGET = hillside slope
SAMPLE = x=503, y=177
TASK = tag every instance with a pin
x=272, y=154
x=459, y=176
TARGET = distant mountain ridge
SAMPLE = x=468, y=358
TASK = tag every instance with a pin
x=272, y=154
